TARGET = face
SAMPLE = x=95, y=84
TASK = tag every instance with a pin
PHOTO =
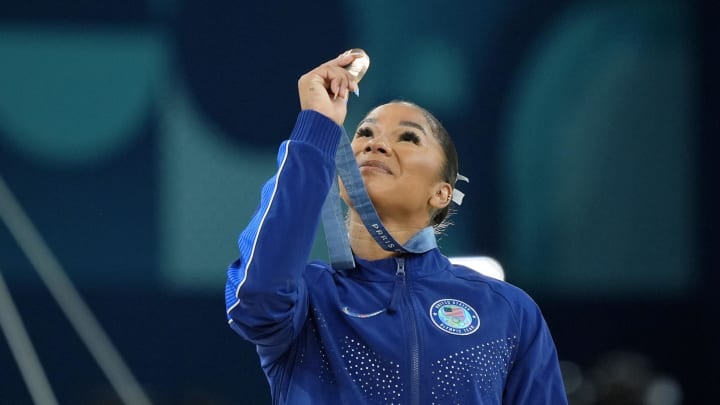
x=400, y=160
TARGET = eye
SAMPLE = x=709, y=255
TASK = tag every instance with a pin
x=364, y=132
x=410, y=137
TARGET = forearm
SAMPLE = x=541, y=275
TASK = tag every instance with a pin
x=264, y=292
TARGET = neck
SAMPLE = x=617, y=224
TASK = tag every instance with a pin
x=364, y=245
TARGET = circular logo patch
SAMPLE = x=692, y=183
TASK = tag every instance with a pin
x=454, y=317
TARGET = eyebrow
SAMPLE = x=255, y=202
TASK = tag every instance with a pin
x=411, y=124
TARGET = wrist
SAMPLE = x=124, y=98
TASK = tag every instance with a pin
x=315, y=128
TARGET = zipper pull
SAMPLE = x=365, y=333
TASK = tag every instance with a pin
x=397, y=287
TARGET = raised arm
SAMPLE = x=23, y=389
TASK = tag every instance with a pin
x=265, y=295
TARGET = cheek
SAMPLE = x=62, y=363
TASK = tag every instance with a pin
x=427, y=168
x=356, y=147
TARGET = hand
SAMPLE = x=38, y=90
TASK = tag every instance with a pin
x=326, y=88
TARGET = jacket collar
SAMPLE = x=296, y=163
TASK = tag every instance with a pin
x=417, y=265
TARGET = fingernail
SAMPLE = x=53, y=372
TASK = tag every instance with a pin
x=357, y=91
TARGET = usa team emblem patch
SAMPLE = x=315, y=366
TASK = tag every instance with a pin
x=454, y=317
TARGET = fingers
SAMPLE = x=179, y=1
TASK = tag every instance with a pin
x=337, y=80
x=326, y=88
x=348, y=57
x=341, y=81
x=345, y=60
x=339, y=86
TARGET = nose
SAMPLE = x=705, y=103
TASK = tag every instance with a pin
x=377, y=145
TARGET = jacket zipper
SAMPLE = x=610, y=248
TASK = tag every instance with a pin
x=414, y=339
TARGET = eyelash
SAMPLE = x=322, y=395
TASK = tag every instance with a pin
x=364, y=132
x=411, y=137
x=405, y=136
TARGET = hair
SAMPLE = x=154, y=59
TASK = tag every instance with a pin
x=439, y=220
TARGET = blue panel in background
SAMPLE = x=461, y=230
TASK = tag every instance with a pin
x=98, y=220
x=241, y=60
x=229, y=70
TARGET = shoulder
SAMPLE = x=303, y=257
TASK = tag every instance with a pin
x=520, y=302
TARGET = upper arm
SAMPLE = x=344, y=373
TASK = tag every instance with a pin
x=535, y=377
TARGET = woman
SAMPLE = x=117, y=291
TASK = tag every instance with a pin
x=398, y=328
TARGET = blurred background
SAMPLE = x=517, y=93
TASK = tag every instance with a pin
x=136, y=136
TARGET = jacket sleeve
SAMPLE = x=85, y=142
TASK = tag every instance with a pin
x=534, y=377
x=266, y=298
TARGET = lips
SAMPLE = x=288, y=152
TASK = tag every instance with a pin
x=376, y=164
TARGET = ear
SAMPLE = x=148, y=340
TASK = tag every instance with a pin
x=442, y=195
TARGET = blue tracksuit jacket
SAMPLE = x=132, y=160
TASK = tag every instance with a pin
x=413, y=329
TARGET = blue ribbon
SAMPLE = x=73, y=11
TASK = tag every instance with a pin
x=336, y=232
